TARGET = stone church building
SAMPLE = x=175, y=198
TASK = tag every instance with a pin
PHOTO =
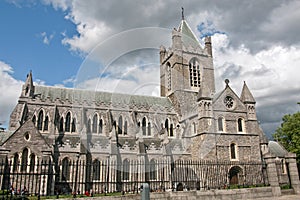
x=189, y=121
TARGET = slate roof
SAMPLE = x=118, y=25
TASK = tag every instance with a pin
x=97, y=97
x=188, y=37
x=4, y=136
x=246, y=95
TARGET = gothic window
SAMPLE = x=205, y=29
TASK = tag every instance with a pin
x=46, y=123
x=144, y=123
x=233, y=151
x=171, y=131
x=167, y=126
x=88, y=128
x=40, y=120
x=152, y=170
x=169, y=75
x=120, y=125
x=194, y=69
x=34, y=119
x=24, y=159
x=73, y=128
x=68, y=122
x=95, y=123
x=126, y=170
x=240, y=125
x=100, y=126
x=125, y=128
x=149, y=128
x=16, y=162
x=65, y=169
x=221, y=124
x=32, y=162
x=61, y=124
x=96, y=170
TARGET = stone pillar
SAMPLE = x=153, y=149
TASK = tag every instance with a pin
x=3, y=156
x=293, y=172
x=272, y=175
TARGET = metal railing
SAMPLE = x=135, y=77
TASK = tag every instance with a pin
x=106, y=176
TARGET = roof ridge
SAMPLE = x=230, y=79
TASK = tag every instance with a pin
x=97, y=91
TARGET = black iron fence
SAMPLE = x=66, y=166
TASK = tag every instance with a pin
x=105, y=176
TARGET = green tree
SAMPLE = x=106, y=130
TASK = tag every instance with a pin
x=288, y=135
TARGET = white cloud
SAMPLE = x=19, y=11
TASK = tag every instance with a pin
x=261, y=44
x=11, y=90
x=47, y=39
x=271, y=74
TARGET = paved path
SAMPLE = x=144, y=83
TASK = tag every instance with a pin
x=284, y=197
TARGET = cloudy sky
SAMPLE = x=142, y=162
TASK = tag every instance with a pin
x=62, y=40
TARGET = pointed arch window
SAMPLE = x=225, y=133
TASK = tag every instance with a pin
x=144, y=123
x=24, y=159
x=16, y=162
x=221, y=124
x=120, y=125
x=68, y=122
x=240, y=125
x=95, y=123
x=46, y=123
x=194, y=69
x=61, y=124
x=65, y=169
x=149, y=128
x=100, y=126
x=126, y=168
x=125, y=128
x=167, y=126
x=152, y=170
x=73, y=129
x=40, y=120
x=32, y=162
x=233, y=151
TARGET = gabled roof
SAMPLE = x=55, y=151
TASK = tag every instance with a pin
x=246, y=95
x=188, y=37
x=219, y=97
x=17, y=140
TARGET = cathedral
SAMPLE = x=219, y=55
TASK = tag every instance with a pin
x=189, y=121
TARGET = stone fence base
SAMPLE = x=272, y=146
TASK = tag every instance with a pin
x=238, y=194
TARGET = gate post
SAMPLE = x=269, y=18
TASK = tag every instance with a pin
x=145, y=192
x=293, y=172
x=272, y=175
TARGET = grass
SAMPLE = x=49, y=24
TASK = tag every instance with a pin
x=65, y=196
x=285, y=187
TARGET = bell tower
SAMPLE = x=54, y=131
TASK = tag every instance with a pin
x=186, y=68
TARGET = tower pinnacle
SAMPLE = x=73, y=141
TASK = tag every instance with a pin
x=182, y=13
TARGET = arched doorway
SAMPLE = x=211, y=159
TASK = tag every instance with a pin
x=234, y=174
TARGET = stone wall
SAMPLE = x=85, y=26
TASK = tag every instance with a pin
x=249, y=193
